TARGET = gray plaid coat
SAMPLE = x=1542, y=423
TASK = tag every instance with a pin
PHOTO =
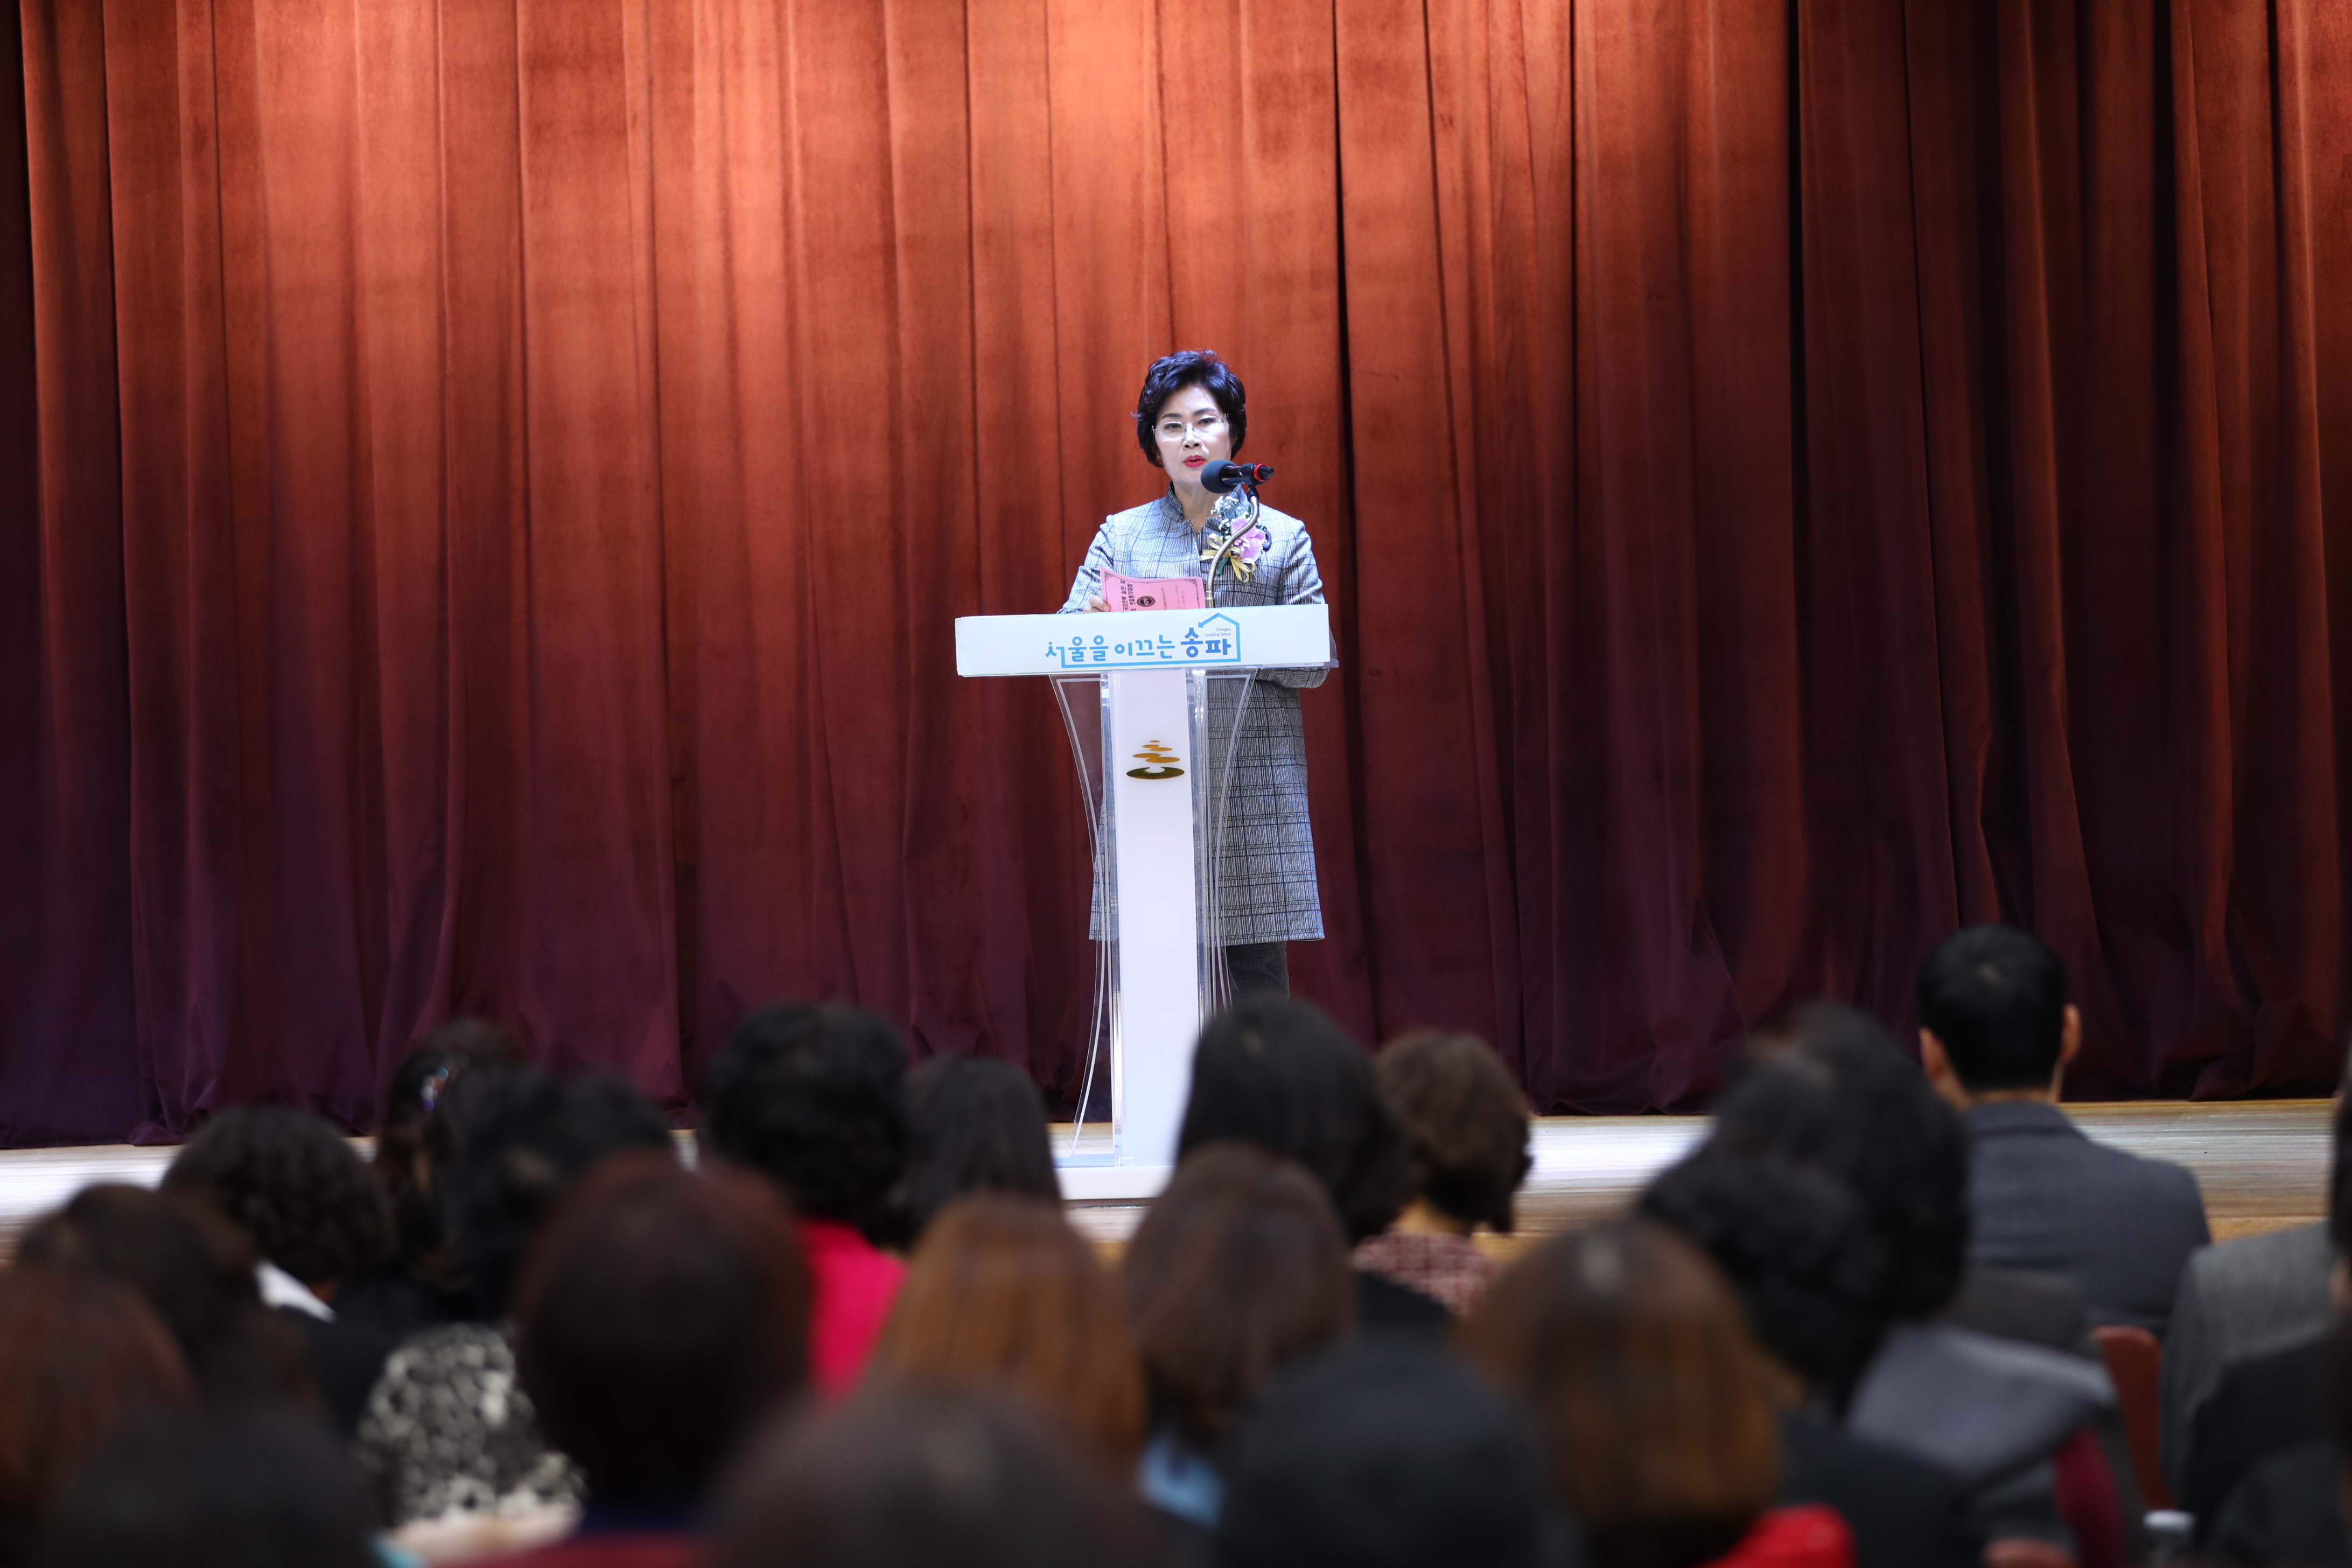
x=1265, y=867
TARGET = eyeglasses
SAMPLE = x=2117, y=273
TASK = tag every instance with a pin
x=1205, y=427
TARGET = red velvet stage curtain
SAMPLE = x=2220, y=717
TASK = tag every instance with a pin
x=492, y=480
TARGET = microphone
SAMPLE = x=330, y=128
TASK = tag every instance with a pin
x=1222, y=478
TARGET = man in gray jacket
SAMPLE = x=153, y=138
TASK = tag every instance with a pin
x=1997, y=1034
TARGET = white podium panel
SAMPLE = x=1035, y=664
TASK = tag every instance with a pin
x=1260, y=636
x=1151, y=766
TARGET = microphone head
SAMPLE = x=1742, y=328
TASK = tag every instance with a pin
x=1222, y=478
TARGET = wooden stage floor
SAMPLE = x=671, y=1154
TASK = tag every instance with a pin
x=2262, y=1164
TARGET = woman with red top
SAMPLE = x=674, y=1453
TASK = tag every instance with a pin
x=814, y=1099
x=1632, y=1359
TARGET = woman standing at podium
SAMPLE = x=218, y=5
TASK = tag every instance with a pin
x=1191, y=414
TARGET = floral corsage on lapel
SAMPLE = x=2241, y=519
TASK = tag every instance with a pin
x=1219, y=542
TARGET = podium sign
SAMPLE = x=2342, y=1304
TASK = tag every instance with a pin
x=1153, y=700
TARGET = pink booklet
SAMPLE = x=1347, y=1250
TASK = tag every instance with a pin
x=1152, y=592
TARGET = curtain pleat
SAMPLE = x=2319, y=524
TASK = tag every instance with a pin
x=493, y=479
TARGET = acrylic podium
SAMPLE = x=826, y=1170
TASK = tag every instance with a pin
x=1153, y=699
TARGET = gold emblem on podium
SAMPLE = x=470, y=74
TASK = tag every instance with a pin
x=1163, y=762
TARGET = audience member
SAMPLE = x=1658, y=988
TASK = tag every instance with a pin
x=1387, y=1454
x=2289, y=1506
x=1996, y=1036
x=228, y=1489
x=814, y=1099
x=1827, y=1089
x=1283, y=1075
x=1003, y=1294
x=1238, y=1270
x=319, y=1218
x=1793, y=1242
x=198, y=1274
x=1649, y=1402
x=915, y=1476
x=2268, y=1404
x=78, y=1354
x=659, y=1315
x=974, y=1125
x=2255, y=1297
x=1466, y=1125
x=420, y=1286
x=445, y=1428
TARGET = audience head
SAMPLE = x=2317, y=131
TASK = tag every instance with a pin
x=195, y=1271
x=236, y=1490
x=907, y=1475
x=1795, y=1244
x=411, y=1134
x=814, y=1099
x=1386, y=1454
x=1238, y=1270
x=289, y=1180
x=1633, y=1361
x=1466, y=1122
x=1281, y=1074
x=1827, y=1089
x=975, y=1125
x=659, y=1314
x=518, y=1139
x=1002, y=1293
x=78, y=1354
x=1993, y=1014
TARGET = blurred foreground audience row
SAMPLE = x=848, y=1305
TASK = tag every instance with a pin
x=1861, y=1324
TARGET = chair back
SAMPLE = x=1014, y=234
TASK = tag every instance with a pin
x=2136, y=1366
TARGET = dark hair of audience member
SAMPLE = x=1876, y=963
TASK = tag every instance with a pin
x=1795, y=1246
x=411, y=1136
x=1238, y=1270
x=1465, y=1121
x=917, y=1475
x=1281, y=1073
x=78, y=1354
x=815, y=1100
x=230, y=1489
x=1387, y=1451
x=659, y=1315
x=974, y=1125
x=1828, y=1088
x=195, y=1271
x=1996, y=998
x=1002, y=1293
x=518, y=1139
x=287, y=1179
x=1632, y=1359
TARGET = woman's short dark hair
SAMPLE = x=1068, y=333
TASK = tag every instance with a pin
x=79, y=1354
x=917, y=1475
x=815, y=1100
x=975, y=1125
x=1169, y=376
x=1002, y=1293
x=1829, y=1089
x=195, y=1271
x=411, y=1135
x=1633, y=1361
x=287, y=1180
x=1996, y=999
x=1238, y=1270
x=230, y=1490
x=659, y=1315
x=1464, y=1120
x=518, y=1139
x=1280, y=1073
x=1795, y=1244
